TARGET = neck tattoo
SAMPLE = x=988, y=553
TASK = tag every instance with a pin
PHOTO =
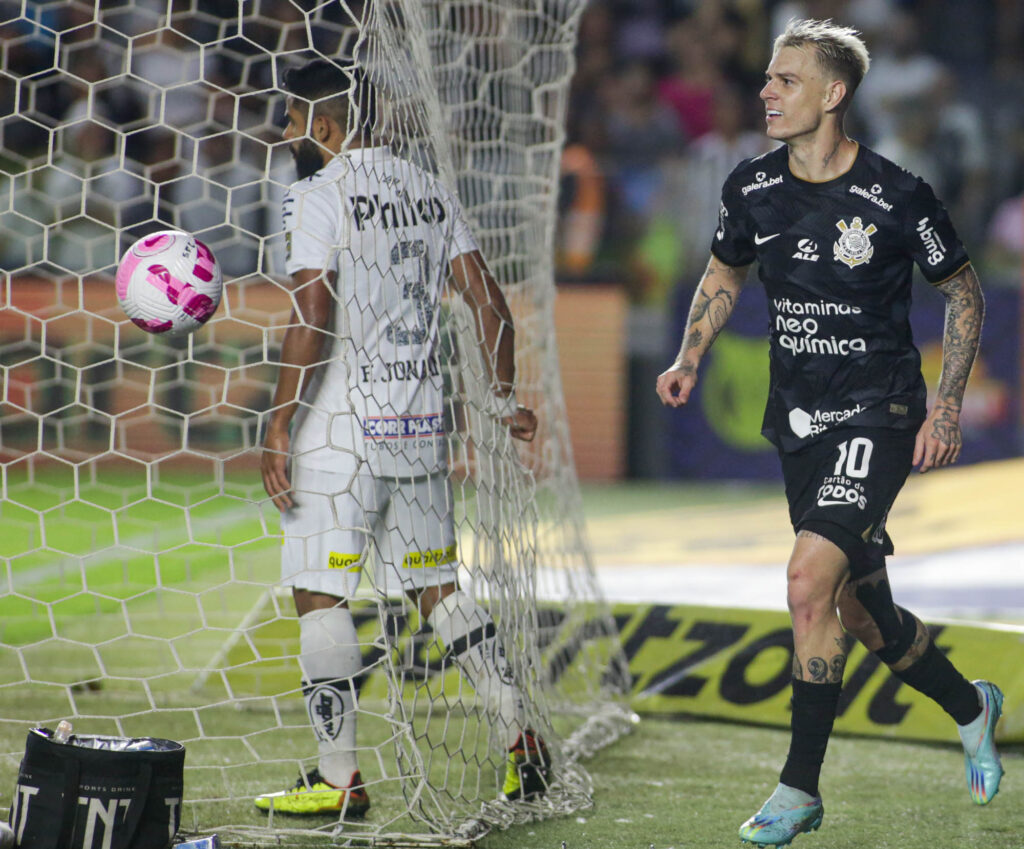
x=831, y=154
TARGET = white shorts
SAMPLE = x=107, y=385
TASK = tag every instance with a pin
x=338, y=519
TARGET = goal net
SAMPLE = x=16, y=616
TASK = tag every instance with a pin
x=141, y=591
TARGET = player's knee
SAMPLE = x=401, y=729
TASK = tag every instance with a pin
x=809, y=597
x=896, y=628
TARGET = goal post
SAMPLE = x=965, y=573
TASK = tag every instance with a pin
x=140, y=592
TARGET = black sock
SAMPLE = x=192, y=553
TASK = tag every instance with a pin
x=814, y=712
x=934, y=675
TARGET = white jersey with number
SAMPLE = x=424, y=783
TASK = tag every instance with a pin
x=389, y=230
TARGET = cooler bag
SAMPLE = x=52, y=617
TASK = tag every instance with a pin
x=98, y=792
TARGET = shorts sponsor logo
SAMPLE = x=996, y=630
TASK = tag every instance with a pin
x=931, y=241
x=431, y=557
x=761, y=181
x=874, y=194
x=804, y=424
x=807, y=250
x=841, y=491
x=403, y=427
x=853, y=247
x=348, y=562
x=798, y=330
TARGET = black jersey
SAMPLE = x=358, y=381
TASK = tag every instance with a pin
x=836, y=259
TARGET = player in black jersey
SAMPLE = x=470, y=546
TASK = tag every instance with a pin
x=836, y=230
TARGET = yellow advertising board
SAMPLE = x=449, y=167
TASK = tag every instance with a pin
x=735, y=664
x=719, y=663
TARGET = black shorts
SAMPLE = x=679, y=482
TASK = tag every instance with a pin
x=842, y=487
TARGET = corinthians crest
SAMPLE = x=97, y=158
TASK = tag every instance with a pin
x=853, y=245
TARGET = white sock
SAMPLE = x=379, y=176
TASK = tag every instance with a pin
x=331, y=663
x=467, y=631
x=790, y=797
x=970, y=734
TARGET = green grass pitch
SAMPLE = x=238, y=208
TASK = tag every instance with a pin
x=689, y=784
x=672, y=783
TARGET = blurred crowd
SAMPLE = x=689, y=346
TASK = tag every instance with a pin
x=665, y=103
x=139, y=127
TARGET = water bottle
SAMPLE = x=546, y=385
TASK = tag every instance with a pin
x=63, y=732
x=200, y=843
x=141, y=745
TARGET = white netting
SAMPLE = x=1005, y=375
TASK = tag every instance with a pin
x=139, y=549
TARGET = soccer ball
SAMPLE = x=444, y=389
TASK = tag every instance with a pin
x=169, y=282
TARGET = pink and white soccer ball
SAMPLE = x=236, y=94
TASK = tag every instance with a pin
x=169, y=283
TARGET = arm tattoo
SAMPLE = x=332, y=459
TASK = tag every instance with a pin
x=716, y=307
x=946, y=426
x=713, y=310
x=712, y=305
x=965, y=311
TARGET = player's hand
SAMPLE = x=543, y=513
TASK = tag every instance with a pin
x=274, y=468
x=675, y=385
x=939, y=440
x=522, y=425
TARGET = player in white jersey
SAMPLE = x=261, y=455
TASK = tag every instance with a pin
x=354, y=453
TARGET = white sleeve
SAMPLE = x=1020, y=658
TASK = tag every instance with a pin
x=314, y=228
x=462, y=239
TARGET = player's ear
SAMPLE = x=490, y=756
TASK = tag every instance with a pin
x=321, y=129
x=835, y=94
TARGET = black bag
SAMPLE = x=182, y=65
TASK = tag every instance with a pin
x=96, y=792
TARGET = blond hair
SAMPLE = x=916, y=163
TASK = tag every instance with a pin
x=840, y=51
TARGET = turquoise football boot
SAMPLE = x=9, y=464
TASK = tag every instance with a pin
x=982, y=766
x=786, y=814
